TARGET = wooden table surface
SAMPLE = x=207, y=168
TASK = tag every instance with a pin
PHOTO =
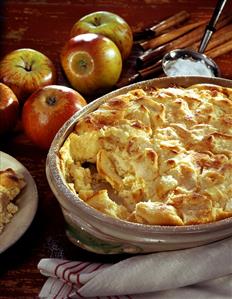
x=45, y=26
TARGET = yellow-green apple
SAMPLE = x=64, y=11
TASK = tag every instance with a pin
x=9, y=108
x=92, y=63
x=46, y=110
x=25, y=70
x=108, y=24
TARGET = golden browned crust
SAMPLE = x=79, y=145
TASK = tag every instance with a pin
x=156, y=156
x=10, y=186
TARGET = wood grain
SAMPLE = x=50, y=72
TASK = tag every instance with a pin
x=45, y=26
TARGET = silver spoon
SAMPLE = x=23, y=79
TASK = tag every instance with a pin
x=185, y=62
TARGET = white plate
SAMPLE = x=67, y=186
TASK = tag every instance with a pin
x=27, y=202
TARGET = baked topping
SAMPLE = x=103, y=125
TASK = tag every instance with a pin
x=11, y=185
x=155, y=156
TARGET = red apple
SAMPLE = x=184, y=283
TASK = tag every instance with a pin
x=91, y=62
x=9, y=107
x=108, y=24
x=25, y=70
x=46, y=110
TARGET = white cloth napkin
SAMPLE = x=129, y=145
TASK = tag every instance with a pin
x=200, y=273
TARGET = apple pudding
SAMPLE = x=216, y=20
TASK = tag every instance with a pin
x=11, y=185
x=158, y=156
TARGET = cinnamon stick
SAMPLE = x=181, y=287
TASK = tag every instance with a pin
x=150, y=55
x=218, y=38
x=141, y=74
x=170, y=22
x=126, y=81
x=160, y=27
x=186, y=40
x=167, y=37
x=220, y=50
x=151, y=70
x=182, y=42
x=157, y=67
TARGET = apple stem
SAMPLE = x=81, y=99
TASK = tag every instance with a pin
x=51, y=100
x=28, y=67
x=97, y=21
x=83, y=64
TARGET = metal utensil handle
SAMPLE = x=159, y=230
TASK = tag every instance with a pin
x=210, y=28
